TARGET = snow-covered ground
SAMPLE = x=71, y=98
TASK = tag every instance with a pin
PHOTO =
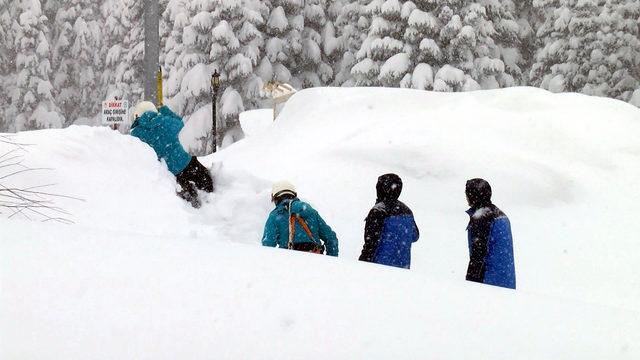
x=143, y=275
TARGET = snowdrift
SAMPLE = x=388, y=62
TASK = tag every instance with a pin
x=141, y=274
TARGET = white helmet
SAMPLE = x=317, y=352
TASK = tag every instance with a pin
x=142, y=108
x=282, y=187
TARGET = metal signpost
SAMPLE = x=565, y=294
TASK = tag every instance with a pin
x=151, y=48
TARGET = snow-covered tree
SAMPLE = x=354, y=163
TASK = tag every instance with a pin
x=471, y=38
x=207, y=36
x=236, y=52
x=184, y=48
x=7, y=66
x=529, y=20
x=384, y=42
x=350, y=31
x=283, y=41
x=589, y=46
x=222, y=36
x=510, y=30
x=570, y=35
x=32, y=97
x=313, y=63
x=428, y=44
x=76, y=62
x=614, y=69
x=123, y=44
x=425, y=49
x=7, y=52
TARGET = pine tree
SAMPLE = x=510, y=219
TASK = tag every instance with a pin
x=33, y=97
x=313, y=68
x=423, y=50
x=384, y=43
x=75, y=60
x=510, y=30
x=468, y=45
x=7, y=67
x=564, y=63
x=7, y=52
x=123, y=44
x=615, y=59
x=184, y=48
x=235, y=51
x=350, y=28
x=529, y=20
x=283, y=41
x=207, y=36
x=448, y=45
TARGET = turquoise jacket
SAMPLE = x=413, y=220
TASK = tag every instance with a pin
x=160, y=131
x=276, y=230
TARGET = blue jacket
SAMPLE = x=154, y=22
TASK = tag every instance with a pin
x=160, y=131
x=276, y=229
x=490, y=248
x=390, y=228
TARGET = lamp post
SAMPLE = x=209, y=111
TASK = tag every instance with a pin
x=215, y=86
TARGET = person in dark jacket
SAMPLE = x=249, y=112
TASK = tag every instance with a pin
x=160, y=129
x=295, y=225
x=390, y=228
x=489, y=239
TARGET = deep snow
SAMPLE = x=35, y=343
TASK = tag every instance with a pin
x=142, y=275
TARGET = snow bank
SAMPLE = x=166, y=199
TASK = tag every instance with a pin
x=74, y=293
x=254, y=122
x=141, y=274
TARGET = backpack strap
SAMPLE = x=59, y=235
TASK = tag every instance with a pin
x=305, y=227
x=292, y=228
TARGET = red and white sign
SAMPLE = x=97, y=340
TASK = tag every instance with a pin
x=114, y=111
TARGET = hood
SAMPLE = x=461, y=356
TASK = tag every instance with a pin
x=478, y=193
x=389, y=187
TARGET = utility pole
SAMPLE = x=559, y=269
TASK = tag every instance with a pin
x=215, y=86
x=151, y=49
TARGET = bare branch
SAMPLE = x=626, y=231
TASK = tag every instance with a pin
x=30, y=202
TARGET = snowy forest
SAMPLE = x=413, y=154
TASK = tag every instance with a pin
x=60, y=59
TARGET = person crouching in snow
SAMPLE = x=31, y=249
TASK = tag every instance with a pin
x=159, y=128
x=390, y=228
x=294, y=224
x=489, y=239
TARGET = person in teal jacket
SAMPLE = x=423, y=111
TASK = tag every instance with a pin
x=294, y=224
x=159, y=128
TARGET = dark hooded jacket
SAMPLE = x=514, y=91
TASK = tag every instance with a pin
x=390, y=228
x=489, y=239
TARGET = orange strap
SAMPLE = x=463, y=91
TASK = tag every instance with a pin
x=292, y=229
x=305, y=227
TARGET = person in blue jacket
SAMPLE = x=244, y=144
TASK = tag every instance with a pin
x=159, y=128
x=390, y=228
x=489, y=239
x=296, y=225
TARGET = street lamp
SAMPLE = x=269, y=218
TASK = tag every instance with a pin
x=215, y=86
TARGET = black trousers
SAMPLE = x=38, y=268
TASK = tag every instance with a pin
x=193, y=178
x=309, y=247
